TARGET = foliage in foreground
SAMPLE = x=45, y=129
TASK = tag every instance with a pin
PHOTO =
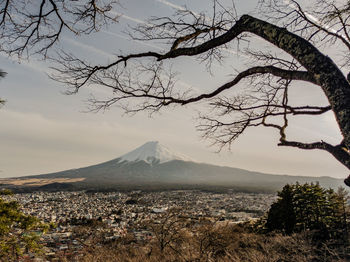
x=310, y=207
x=19, y=233
x=307, y=223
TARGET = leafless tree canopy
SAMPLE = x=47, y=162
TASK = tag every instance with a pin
x=33, y=27
x=142, y=81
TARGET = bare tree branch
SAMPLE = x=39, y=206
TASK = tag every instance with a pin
x=31, y=27
x=143, y=81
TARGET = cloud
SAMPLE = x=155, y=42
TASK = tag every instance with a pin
x=181, y=8
x=133, y=19
x=87, y=47
x=36, y=144
x=129, y=39
x=32, y=65
x=33, y=143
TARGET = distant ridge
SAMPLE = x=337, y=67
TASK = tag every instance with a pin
x=155, y=164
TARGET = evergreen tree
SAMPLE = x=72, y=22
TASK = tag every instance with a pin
x=309, y=207
x=18, y=232
x=281, y=215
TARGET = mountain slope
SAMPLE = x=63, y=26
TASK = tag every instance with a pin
x=152, y=163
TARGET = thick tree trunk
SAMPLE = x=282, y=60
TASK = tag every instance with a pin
x=327, y=74
x=323, y=70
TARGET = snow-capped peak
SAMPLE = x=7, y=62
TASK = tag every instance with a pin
x=152, y=152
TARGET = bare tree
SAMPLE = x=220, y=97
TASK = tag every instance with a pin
x=142, y=81
x=167, y=230
x=33, y=27
x=190, y=34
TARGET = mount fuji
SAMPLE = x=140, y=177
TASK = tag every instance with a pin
x=153, y=152
x=153, y=164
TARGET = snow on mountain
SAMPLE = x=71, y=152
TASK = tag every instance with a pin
x=130, y=170
x=153, y=151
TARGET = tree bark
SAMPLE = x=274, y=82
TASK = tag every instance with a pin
x=334, y=84
x=325, y=72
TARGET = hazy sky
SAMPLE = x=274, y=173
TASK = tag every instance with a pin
x=44, y=130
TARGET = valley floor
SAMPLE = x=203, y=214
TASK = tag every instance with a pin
x=125, y=213
x=180, y=225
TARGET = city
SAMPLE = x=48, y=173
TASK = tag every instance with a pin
x=123, y=213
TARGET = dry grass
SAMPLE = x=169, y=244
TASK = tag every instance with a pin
x=212, y=243
x=38, y=181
